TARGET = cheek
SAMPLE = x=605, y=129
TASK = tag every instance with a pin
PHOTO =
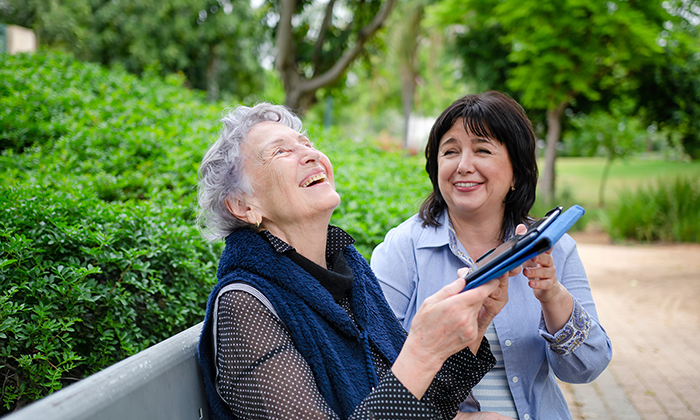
x=446, y=168
x=329, y=168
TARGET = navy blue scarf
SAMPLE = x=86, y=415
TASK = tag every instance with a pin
x=337, y=352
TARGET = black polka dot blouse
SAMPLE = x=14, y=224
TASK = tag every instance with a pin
x=261, y=375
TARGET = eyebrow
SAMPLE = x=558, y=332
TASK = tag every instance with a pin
x=279, y=140
x=483, y=140
x=475, y=140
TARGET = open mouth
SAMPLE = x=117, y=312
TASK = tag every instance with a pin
x=316, y=179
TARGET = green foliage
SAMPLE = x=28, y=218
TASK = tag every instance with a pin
x=106, y=131
x=99, y=254
x=556, y=49
x=87, y=283
x=214, y=43
x=667, y=211
x=378, y=189
x=668, y=90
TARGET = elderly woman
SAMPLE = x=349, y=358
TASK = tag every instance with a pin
x=297, y=326
x=481, y=162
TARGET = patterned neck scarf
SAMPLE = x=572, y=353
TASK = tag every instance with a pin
x=454, y=247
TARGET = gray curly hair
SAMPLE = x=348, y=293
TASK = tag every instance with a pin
x=221, y=174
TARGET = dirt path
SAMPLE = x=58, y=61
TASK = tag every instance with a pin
x=648, y=300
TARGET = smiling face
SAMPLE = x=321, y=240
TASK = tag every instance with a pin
x=474, y=173
x=292, y=181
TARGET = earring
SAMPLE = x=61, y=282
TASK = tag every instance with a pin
x=512, y=187
x=257, y=224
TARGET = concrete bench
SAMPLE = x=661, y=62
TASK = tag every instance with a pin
x=162, y=382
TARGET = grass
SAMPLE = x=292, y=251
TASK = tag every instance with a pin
x=580, y=177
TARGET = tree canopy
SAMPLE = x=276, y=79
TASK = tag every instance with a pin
x=550, y=54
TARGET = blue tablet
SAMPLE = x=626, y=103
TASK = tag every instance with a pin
x=540, y=236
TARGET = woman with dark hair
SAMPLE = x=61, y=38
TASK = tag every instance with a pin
x=482, y=165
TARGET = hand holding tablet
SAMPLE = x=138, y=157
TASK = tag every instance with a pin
x=538, y=238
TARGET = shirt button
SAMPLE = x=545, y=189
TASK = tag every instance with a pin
x=515, y=379
x=526, y=417
x=508, y=343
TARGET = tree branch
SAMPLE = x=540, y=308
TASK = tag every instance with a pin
x=322, y=34
x=284, y=38
x=347, y=58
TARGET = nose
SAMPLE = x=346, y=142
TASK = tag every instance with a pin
x=310, y=156
x=466, y=164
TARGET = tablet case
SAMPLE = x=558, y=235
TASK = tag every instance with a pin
x=535, y=246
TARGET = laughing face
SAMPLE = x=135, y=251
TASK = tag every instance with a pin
x=292, y=181
x=474, y=173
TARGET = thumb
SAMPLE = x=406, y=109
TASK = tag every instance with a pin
x=520, y=229
x=449, y=290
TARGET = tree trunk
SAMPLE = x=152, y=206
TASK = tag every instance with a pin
x=300, y=92
x=212, y=75
x=408, y=49
x=604, y=180
x=550, y=155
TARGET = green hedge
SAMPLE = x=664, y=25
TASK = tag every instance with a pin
x=86, y=283
x=97, y=129
x=99, y=255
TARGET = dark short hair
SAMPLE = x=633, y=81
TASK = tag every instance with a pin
x=497, y=116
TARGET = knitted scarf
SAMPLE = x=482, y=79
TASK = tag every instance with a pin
x=337, y=352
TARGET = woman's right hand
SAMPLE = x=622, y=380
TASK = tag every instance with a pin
x=445, y=323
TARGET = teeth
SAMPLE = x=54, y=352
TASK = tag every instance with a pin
x=466, y=184
x=319, y=177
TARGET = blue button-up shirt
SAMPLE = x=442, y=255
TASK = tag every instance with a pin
x=414, y=262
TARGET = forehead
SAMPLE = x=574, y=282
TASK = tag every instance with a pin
x=268, y=133
x=458, y=132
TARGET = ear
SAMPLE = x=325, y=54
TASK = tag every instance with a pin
x=242, y=210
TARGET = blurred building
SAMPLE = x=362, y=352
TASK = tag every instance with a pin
x=16, y=39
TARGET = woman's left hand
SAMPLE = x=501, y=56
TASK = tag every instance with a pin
x=542, y=276
x=557, y=303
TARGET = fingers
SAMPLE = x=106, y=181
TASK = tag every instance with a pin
x=453, y=291
x=544, y=259
x=514, y=272
x=540, y=267
x=539, y=272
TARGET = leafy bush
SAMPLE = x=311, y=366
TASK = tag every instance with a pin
x=667, y=211
x=92, y=128
x=99, y=256
x=86, y=283
x=378, y=189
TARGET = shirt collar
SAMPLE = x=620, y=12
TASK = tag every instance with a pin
x=434, y=237
x=444, y=235
x=336, y=240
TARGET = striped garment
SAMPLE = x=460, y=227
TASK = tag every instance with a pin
x=492, y=391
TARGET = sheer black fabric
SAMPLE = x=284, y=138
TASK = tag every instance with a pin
x=262, y=376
